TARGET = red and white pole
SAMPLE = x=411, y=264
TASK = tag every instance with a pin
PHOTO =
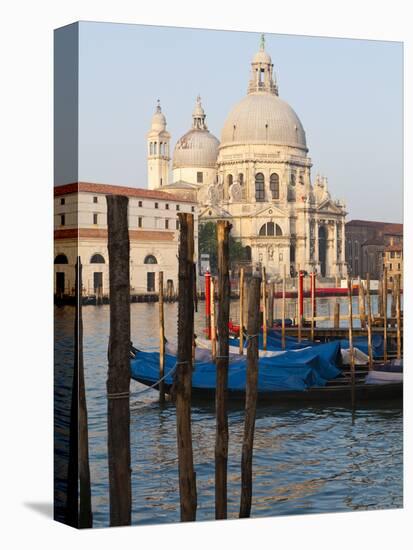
x=208, y=304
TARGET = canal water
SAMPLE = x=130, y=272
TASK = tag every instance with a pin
x=306, y=460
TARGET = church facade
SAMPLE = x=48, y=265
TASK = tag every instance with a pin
x=258, y=176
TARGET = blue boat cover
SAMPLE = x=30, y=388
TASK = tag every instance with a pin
x=292, y=370
x=274, y=343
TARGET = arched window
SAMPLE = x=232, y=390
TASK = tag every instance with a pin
x=292, y=180
x=230, y=180
x=241, y=178
x=61, y=259
x=270, y=229
x=154, y=148
x=151, y=148
x=259, y=187
x=97, y=259
x=150, y=259
x=275, y=186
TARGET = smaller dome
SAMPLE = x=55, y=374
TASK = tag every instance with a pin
x=196, y=148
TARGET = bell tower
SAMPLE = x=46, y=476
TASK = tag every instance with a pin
x=158, y=151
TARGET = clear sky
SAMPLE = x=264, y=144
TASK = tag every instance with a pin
x=347, y=94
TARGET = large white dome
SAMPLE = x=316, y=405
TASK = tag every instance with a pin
x=196, y=148
x=263, y=118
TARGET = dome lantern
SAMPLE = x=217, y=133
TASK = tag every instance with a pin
x=262, y=79
x=198, y=116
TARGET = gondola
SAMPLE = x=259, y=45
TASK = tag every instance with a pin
x=309, y=375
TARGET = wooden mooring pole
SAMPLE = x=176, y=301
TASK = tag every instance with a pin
x=271, y=305
x=118, y=381
x=222, y=360
x=398, y=316
x=385, y=314
x=337, y=314
x=250, y=396
x=350, y=339
x=183, y=378
x=241, y=311
x=362, y=304
x=369, y=323
x=264, y=308
x=79, y=504
x=161, y=340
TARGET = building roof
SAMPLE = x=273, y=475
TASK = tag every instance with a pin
x=104, y=189
x=393, y=229
x=394, y=247
x=382, y=226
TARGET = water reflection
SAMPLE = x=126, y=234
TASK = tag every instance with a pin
x=305, y=460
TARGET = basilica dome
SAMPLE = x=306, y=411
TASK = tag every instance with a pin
x=263, y=118
x=198, y=147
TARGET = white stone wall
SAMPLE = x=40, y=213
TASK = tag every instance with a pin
x=189, y=175
x=153, y=218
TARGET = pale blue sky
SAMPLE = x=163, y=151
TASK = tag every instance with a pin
x=347, y=93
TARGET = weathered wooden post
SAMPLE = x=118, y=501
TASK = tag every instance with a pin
x=337, y=314
x=212, y=319
x=398, y=317
x=118, y=381
x=385, y=314
x=362, y=304
x=369, y=322
x=264, y=308
x=79, y=505
x=380, y=300
x=183, y=378
x=250, y=396
x=350, y=339
x=241, y=311
x=221, y=434
x=271, y=305
x=161, y=340
x=283, y=312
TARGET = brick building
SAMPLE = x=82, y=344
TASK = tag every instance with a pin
x=366, y=245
